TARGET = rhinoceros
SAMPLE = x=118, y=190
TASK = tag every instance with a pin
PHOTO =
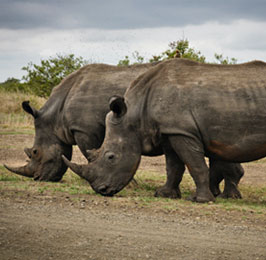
x=75, y=115
x=189, y=109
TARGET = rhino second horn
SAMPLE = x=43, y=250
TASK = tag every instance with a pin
x=73, y=166
x=91, y=155
x=28, y=152
x=23, y=170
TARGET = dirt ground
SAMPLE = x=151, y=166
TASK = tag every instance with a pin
x=64, y=226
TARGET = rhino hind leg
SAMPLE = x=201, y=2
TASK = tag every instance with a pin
x=231, y=173
x=231, y=180
x=231, y=191
x=215, y=179
x=175, y=169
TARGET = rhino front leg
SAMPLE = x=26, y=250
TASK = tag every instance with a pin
x=175, y=169
x=191, y=152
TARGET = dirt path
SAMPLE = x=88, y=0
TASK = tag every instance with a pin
x=44, y=226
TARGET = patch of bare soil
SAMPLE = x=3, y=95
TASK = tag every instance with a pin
x=47, y=226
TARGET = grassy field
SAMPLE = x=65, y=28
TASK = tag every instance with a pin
x=254, y=198
x=14, y=121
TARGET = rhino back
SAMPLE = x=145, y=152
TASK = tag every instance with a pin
x=203, y=100
x=87, y=100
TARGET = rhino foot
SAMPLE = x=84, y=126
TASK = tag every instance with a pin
x=166, y=192
x=231, y=191
x=233, y=194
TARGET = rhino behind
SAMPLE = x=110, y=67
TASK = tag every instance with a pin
x=74, y=114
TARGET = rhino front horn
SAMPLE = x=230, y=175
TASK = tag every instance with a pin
x=73, y=166
x=23, y=171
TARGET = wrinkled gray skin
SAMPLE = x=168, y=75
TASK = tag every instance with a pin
x=74, y=114
x=190, y=110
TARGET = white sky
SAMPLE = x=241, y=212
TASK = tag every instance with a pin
x=105, y=31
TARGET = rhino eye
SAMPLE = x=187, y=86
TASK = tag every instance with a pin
x=34, y=151
x=110, y=157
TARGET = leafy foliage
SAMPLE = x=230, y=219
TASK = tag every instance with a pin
x=177, y=49
x=42, y=78
x=14, y=85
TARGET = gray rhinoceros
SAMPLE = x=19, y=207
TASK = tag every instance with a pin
x=74, y=114
x=191, y=110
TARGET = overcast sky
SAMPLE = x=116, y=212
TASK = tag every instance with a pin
x=107, y=30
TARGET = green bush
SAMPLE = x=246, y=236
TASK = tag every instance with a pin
x=177, y=49
x=42, y=78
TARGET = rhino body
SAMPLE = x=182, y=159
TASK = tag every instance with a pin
x=191, y=110
x=75, y=114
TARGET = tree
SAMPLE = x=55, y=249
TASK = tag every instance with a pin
x=14, y=85
x=176, y=49
x=180, y=49
x=42, y=78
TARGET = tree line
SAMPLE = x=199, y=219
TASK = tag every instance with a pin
x=40, y=79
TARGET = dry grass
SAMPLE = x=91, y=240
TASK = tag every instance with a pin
x=11, y=112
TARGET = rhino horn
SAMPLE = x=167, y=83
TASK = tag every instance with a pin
x=27, y=152
x=73, y=166
x=91, y=155
x=23, y=170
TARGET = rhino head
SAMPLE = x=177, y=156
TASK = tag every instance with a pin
x=112, y=166
x=45, y=157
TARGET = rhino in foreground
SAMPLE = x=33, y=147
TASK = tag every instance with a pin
x=191, y=110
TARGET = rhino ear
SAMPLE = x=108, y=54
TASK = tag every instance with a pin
x=29, y=109
x=118, y=106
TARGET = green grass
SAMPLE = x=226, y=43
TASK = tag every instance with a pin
x=142, y=193
x=71, y=184
x=14, y=121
